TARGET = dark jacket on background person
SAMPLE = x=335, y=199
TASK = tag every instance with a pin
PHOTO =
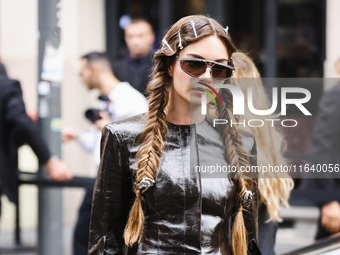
x=185, y=208
x=134, y=70
x=15, y=128
x=3, y=71
x=266, y=232
x=325, y=151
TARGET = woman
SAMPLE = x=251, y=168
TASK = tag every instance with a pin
x=274, y=187
x=149, y=194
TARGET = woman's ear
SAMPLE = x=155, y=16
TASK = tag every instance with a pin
x=95, y=69
x=171, y=70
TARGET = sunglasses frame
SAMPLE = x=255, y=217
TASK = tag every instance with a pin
x=207, y=65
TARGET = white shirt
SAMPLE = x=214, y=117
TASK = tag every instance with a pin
x=125, y=102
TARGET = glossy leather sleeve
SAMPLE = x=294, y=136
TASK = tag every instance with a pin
x=112, y=197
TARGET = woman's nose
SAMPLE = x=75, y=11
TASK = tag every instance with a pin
x=207, y=73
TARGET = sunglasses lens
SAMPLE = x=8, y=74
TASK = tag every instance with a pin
x=195, y=68
x=221, y=72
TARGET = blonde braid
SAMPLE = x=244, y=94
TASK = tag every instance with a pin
x=148, y=154
x=236, y=156
x=274, y=188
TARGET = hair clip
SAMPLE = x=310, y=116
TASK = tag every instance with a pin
x=226, y=30
x=180, y=46
x=248, y=196
x=167, y=45
x=193, y=27
x=145, y=184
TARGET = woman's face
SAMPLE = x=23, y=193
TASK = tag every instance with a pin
x=209, y=48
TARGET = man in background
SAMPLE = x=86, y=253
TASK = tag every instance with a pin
x=121, y=101
x=135, y=67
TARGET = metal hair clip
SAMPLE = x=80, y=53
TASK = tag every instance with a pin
x=226, y=30
x=248, y=196
x=164, y=42
x=180, y=46
x=145, y=184
x=193, y=27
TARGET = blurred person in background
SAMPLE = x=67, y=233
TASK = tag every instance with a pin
x=121, y=101
x=135, y=66
x=16, y=129
x=274, y=188
x=325, y=150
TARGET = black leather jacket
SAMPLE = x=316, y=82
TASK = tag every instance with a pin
x=184, y=210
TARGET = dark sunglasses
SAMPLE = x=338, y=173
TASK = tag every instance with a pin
x=195, y=67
